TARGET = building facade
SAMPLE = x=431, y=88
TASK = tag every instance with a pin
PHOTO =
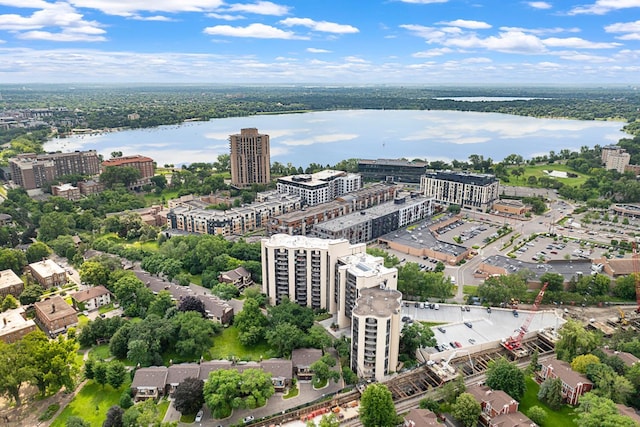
x=235, y=221
x=301, y=222
x=15, y=325
x=55, y=315
x=142, y=164
x=302, y=269
x=36, y=170
x=66, y=191
x=392, y=170
x=47, y=273
x=250, y=158
x=375, y=333
x=367, y=225
x=10, y=284
x=92, y=298
x=618, y=162
x=574, y=384
x=320, y=187
x=469, y=190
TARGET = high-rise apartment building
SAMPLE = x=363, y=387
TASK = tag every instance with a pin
x=469, y=190
x=250, y=158
x=320, y=187
x=35, y=170
x=375, y=333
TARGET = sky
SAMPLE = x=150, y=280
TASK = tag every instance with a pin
x=328, y=42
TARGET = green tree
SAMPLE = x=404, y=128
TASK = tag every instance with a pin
x=37, y=251
x=377, y=408
x=503, y=375
x=54, y=361
x=625, y=287
x=94, y=273
x=188, y=397
x=54, y=224
x=251, y=323
x=116, y=374
x=114, y=175
x=8, y=303
x=322, y=371
x=100, y=373
x=580, y=363
x=31, y=294
x=466, y=409
x=555, y=281
x=496, y=290
x=537, y=415
x=292, y=313
x=329, y=421
x=225, y=390
x=285, y=337
x=161, y=303
x=226, y=291
x=133, y=295
x=596, y=411
x=74, y=421
x=317, y=337
x=575, y=340
x=551, y=392
x=12, y=259
x=193, y=334
x=414, y=336
x=114, y=417
x=16, y=368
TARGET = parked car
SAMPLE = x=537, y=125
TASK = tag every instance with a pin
x=248, y=419
x=457, y=343
x=441, y=329
x=468, y=324
x=472, y=341
x=199, y=416
x=488, y=309
x=515, y=313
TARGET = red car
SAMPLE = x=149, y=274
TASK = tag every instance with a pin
x=458, y=344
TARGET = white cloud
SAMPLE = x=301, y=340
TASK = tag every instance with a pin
x=510, y=42
x=132, y=7
x=69, y=25
x=156, y=18
x=316, y=50
x=225, y=17
x=323, y=26
x=259, y=31
x=539, y=4
x=463, y=23
x=356, y=59
x=432, y=52
x=584, y=57
x=601, y=7
x=542, y=31
x=577, y=43
x=629, y=30
x=259, y=8
x=31, y=4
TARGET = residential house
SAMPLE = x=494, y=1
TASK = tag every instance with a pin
x=421, y=418
x=91, y=299
x=574, y=384
x=302, y=359
x=281, y=371
x=54, y=315
x=178, y=373
x=514, y=419
x=492, y=402
x=149, y=383
x=10, y=284
x=627, y=358
x=239, y=277
x=47, y=273
x=15, y=325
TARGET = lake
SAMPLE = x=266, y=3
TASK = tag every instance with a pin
x=327, y=137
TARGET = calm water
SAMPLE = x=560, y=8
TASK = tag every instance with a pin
x=328, y=137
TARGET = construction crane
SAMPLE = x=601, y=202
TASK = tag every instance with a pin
x=636, y=273
x=513, y=343
x=623, y=319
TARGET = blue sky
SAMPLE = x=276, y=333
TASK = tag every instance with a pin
x=409, y=42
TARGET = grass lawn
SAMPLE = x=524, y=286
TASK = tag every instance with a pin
x=105, y=308
x=100, y=352
x=565, y=416
x=431, y=324
x=226, y=344
x=91, y=404
x=469, y=290
x=537, y=171
x=293, y=392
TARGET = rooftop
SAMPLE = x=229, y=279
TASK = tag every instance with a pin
x=568, y=376
x=496, y=398
x=13, y=320
x=90, y=293
x=294, y=242
x=154, y=376
x=46, y=268
x=514, y=419
x=317, y=179
x=378, y=302
x=365, y=265
x=8, y=278
x=54, y=308
x=393, y=162
x=126, y=160
x=304, y=357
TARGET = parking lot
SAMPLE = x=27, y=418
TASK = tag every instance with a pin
x=467, y=233
x=483, y=326
x=546, y=248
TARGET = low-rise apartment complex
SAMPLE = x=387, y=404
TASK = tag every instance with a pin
x=10, y=284
x=473, y=191
x=14, y=325
x=55, y=316
x=47, y=273
x=320, y=187
x=36, y=170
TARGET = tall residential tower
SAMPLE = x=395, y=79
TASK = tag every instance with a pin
x=250, y=158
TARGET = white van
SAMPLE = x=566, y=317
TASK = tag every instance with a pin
x=436, y=307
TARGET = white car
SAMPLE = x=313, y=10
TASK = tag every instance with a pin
x=248, y=419
x=199, y=416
